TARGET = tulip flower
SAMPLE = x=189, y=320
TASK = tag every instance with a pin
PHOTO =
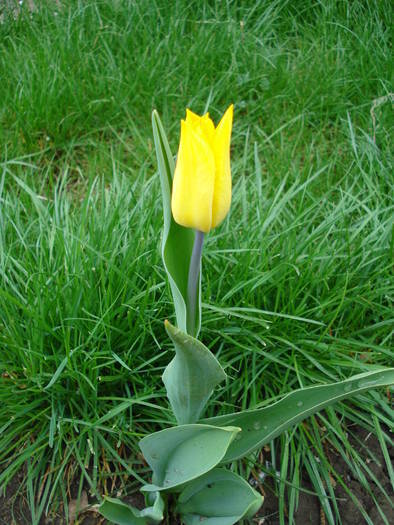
x=201, y=188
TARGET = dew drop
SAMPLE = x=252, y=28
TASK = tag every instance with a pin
x=367, y=382
x=300, y=403
x=256, y=425
x=265, y=427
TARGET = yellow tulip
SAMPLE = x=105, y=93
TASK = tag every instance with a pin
x=201, y=189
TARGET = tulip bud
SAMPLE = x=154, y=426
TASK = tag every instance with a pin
x=201, y=188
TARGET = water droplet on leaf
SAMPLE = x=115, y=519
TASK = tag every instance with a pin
x=367, y=382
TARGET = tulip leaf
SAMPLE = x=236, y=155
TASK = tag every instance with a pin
x=191, y=376
x=154, y=513
x=261, y=425
x=220, y=497
x=119, y=513
x=180, y=454
x=177, y=241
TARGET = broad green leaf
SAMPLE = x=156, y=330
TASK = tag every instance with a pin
x=262, y=425
x=191, y=376
x=180, y=454
x=154, y=513
x=177, y=241
x=119, y=513
x=218, y=498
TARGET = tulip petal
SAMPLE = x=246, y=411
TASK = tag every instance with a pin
x=222, y=187
x=194, y=177
x=204, y=123
x=192, y=117
x=208, y=128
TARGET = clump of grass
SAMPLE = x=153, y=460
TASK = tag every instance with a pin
x=297, y=281
x=70, y=80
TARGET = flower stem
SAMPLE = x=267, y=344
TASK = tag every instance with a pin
x=193, y=280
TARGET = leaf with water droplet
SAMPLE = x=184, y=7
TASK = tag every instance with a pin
x=291, y=409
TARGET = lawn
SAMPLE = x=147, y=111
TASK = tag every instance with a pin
x=297, y=284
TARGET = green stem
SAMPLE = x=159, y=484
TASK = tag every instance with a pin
x=193, y=280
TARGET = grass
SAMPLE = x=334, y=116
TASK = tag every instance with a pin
x=297, y=283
